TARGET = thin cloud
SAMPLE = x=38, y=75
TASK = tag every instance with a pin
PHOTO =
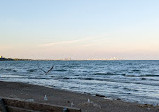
x=61, y=42
x=84, y=41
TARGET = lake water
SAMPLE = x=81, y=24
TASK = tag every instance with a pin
x=133, y=81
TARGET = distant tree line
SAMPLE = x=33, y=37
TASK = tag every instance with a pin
x=16, y=59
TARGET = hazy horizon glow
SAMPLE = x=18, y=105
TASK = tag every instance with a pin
x=85, y=29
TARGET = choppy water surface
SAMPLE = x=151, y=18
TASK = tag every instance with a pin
x=135, y=81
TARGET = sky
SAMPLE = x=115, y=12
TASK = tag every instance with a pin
x=80, y=29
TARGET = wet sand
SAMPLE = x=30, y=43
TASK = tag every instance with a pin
x=65, y=98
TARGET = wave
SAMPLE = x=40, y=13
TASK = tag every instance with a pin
x=38, y=78
x=32, y=70
x=104, y=80
x=148, y=75
x=136, y=70
x=61, y=70
x=108, y=73
x=130, y=89
x=8, y=70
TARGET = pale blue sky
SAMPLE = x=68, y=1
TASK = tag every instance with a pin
x=81, y=29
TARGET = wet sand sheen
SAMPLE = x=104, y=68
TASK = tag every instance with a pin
x=65, y=98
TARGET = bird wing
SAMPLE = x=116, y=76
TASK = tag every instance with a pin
x=49, y=70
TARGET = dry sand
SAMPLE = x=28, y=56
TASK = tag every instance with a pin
x=64, y=98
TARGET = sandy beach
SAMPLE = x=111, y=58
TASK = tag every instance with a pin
x=65, y=98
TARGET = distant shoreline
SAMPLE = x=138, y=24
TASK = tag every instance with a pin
x=17, y=59
x=10, y=59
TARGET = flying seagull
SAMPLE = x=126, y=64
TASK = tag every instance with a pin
x=46, y=72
